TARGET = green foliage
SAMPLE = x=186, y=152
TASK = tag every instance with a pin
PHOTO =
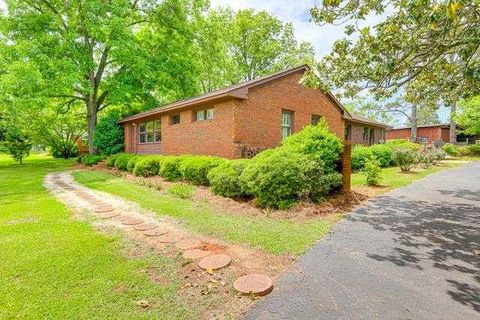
x=108, y=137
x=122, y=159
x=195, y=168
x=469, y=115
x=133, y=162
x=170, y=169
x=362, y=154
x=91, y=159
x=17, y=143
x=225, y=179
x=280, y=177
x=317, y=142
x=148, y=166
x=474, y=149
x=373, y=172
x=402, y=143
x=451, y=149
x=64, y=149
x=182, y=190
x=110, y=163
x=405, y=158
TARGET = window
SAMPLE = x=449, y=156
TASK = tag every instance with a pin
x=316, y=119
x=371, y=137
x=175, y=119
x=365, y=134
x=348, y=132
x=150, y=132
x=423, y=139
x=286, y=123
x=205, y=114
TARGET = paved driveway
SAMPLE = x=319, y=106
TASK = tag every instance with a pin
x=413, y=253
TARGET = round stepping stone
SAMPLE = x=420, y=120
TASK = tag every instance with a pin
x=256, y=284
x=102, y=209
x=155, y=232
x=145, y=226
x=195, y=254
x=214, y=262
x=169, y=237
x=130, y=221
x=109, y=215
x=188, y=244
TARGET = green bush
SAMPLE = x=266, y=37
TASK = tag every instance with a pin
x=279, y=177
x=360, y=155
x=18, y=143
x=91, y=159
x=474, y=149
x=121, y=161
x=451, y=149
x=405, y=158
x=373, y=172
x=170, y=169
x=225, y=179
x=63, y=148
x=317, y=142
x=195, y=168
x=111, y=160
x=182, y=190
x=402, y=143
x=148, y=166
x=108, y=137
x=133, y=162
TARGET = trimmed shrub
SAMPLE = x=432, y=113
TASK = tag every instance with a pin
x=451, y=149
x=373, y=172
x=402, y=143
x=317, y=142
x=148, y=166
x=195, y=168
x=133, y=162
x=360, y=155
x=225, y=179
x=91, y=159
x=170, y=169
x=111, y=160
x=182, y=190
x=474, y=149
x=405, y=158
x=278, y=178
x=61, y=148
x=122, y=159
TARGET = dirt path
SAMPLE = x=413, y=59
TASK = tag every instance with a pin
x=206, y=288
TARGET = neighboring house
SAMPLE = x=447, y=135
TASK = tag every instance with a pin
x=241, y=120
x=431, y=134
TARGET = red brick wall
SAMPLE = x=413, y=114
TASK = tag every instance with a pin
x=258, y=119
x=357, y=134
x=432, y=133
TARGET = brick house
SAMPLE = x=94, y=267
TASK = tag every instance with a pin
x=241, y=120
x=430, y=134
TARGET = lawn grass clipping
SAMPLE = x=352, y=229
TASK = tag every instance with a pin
x=54, y=266
x=272, y=235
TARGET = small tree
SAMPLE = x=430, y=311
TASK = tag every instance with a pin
x=17, y=143
x=108, y=137
x=373, y=172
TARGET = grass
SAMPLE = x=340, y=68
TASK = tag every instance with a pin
x=393, y=177
x=56, y=267
x=272, y=235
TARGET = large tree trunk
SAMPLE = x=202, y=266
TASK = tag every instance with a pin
x=453, y=125
x=92, y=123
x=414, y=124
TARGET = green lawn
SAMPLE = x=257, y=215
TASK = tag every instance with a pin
x=53, y=266
x=273, y=235
x=393, y=177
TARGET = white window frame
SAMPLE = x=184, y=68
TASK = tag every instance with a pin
x=286, y=123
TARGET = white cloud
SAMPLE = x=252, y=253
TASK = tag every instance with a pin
x=297, y=12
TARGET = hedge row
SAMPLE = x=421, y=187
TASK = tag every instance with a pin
x=459, y=151
x=381, y=152
x=304, y=167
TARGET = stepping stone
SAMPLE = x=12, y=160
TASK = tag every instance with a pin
x=169, y=237
x=256, y=284
x=214, y=262
x=130, y=221
x=145, y=226
x=195, y=254
x=109, y=215
x=102, y=209
x=155, y=232
x=188, y=244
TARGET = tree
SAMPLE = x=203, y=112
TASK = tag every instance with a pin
x=108, y=138
x=17, y=143
x=98, y=53
x=432, y=45
x=469, y=115
x=241, y=46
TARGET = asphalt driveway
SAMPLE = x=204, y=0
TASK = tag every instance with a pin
x=413, y=253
